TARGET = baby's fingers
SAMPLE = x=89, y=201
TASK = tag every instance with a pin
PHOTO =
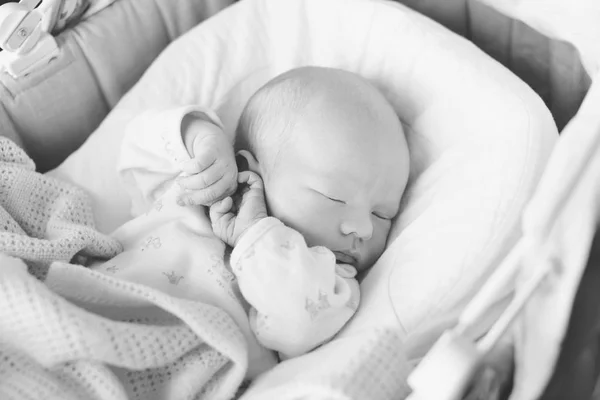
x=221, y=219
x=208, y=195
x=220, y=208
x=206, y=178
x=199, y=163
x=251, y=179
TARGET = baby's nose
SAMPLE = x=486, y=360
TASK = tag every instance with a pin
x=359, y=226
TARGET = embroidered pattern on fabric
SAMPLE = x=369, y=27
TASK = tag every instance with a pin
x=112, y=269
x=320, y=250
x=287, y=245
x=237, y=267
x=151, y=242
x=315, y=307
x=261, y=323
x=219, y=266
x=247, y=255
x=224, y=278
x=168, y=146
x=173, y=277
x=352, y=304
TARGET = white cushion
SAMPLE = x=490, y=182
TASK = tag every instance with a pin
x=478, y=136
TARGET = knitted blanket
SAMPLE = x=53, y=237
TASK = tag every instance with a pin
x=69, y=332
x=72, y=333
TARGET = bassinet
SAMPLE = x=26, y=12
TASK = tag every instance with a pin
x=562, y=83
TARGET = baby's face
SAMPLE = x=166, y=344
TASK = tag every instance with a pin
x=338, y=186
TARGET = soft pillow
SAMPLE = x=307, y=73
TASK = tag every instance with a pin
x=479, y=137
x=51, y=111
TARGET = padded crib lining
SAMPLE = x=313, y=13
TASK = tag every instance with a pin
x=552, y=67
x=54, y=109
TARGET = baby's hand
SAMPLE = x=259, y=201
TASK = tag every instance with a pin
x=231, y=217
x=212, y=172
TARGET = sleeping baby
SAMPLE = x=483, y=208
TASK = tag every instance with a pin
x=322, y=164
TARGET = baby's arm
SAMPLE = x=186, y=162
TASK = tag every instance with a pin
x=159, y=145
x=300, y=297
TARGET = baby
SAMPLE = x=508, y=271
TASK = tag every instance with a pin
x=323, y=166
x=333, y=158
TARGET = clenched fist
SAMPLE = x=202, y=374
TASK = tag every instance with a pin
x=232, y=216
x=211, y=174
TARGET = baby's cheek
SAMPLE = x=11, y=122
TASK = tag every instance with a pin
x=323, y=238
x=379, y=239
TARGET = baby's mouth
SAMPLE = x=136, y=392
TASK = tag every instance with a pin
x=345, y=258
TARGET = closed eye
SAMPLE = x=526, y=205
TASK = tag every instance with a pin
x=328, y=197
x=335, y=200
x=381, y=216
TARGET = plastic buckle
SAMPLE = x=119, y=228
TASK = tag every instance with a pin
x=447, y=370
x=449, y=367
x=26, y=45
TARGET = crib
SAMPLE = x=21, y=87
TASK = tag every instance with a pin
x=538, y=225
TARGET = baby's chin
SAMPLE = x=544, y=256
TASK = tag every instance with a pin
x=360, y=265
x=364, y=264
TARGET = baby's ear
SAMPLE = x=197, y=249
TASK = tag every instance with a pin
x=247, y=162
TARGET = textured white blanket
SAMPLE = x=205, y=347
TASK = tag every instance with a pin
x=73, y=333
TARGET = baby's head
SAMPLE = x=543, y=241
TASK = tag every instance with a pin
x=333, y=158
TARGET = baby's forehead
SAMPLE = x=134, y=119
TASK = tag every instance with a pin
x=323, y=105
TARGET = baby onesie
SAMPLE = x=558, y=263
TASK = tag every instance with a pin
x=285, y=296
